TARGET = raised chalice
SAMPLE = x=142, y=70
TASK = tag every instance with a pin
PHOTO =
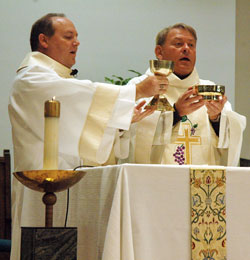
x=210, y=92
x=161, y=67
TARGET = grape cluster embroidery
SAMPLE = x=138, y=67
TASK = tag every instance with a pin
x=179, y=154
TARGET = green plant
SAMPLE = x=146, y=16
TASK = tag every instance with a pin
x=117, y=80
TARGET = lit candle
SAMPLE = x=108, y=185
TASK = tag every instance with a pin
x=51, y=130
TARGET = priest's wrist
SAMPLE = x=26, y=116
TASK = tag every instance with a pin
x=215, y=122
x=138, y=92
x=215, y=119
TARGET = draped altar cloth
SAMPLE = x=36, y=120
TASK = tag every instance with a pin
x=133, y=212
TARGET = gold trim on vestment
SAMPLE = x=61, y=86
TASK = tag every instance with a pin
x=99, y=114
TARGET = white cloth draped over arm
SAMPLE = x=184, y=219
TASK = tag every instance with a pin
x=232, y=126
x=237, y=125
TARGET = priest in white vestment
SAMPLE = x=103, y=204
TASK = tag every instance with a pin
x=199, y=131
x=91, y=113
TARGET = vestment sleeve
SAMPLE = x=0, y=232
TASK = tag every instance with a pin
x=36, y=84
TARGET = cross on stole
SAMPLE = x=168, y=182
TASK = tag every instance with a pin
x=188, y=140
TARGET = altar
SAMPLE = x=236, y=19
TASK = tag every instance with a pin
x=135, y=212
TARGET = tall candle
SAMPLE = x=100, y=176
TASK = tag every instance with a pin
x=51, y=131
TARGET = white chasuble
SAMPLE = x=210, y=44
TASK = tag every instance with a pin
x=193, y=139
x=91, y=113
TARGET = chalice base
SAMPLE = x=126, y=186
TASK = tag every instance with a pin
x=162, y=104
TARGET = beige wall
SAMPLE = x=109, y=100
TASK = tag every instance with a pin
x=242, y=69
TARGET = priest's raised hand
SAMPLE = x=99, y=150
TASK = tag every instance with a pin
x=151, y=86
x=188, y=102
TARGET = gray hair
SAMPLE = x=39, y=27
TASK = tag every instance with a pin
x=162, y=35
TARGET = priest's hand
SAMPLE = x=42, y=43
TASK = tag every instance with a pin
x=139, y=114
x=151, y=86
x=215, y=107
x=188, y=102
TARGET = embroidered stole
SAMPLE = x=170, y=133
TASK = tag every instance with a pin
x=208, y=214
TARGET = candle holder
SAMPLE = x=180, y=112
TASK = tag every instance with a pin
x=49, y=181
x=34, y=240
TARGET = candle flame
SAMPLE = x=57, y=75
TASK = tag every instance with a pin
x=54, y=98
x=49, y=179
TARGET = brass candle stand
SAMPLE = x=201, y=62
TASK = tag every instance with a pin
x=49, y=182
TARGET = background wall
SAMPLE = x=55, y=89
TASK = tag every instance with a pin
x=117, y=35
x=242, y=75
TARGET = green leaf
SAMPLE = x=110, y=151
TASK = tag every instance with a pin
x=184, y=119
x=125, y=82
x=136, y=72
x=108, y=80
x=120, y=78
x=118, y=82
x=121, y=81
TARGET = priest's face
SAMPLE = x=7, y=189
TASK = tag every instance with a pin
x=62, y=46
x=180, y=47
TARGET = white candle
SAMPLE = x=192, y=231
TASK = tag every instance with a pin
x=51, y=130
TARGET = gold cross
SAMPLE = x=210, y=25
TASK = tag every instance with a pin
x=188, y=140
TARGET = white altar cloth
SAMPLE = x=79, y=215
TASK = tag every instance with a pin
x=138, y=212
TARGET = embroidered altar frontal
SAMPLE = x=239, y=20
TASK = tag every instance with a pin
x=208, y=214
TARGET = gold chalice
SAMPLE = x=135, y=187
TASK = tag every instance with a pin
x=161, y=67
x=210, y=92
x=49, y=181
